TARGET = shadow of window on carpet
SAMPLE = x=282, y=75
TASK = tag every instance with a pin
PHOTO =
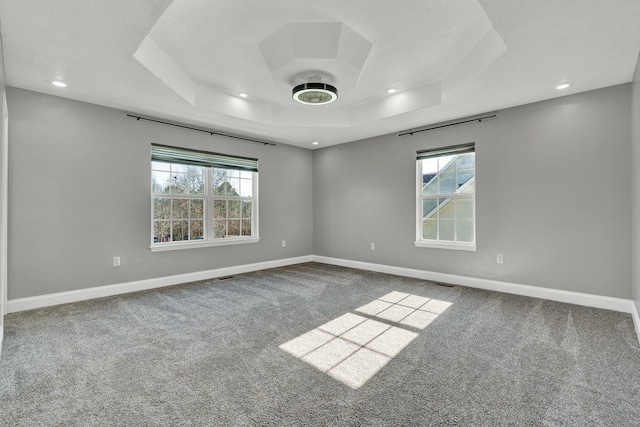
x=353, y=348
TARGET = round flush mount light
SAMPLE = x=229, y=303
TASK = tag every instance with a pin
x=392, y=90
x=314, y=93
x=58, y=83
x=243, y=95
x=315, y=143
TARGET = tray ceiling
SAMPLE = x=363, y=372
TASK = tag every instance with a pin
x=189, y=61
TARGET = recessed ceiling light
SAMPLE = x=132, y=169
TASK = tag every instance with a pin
x=563, y=86
x=59, y=83
x=315, y=143
x=392, y=90
x=243, y=95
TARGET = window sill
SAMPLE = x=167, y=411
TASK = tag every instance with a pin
x=161, y=247
x=452, y=246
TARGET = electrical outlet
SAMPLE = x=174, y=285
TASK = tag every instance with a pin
x=500, y=259
x=284, y=243
x=373, y=246
x=116, y=261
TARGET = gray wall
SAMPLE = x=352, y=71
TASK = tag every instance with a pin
x=553, y=186
x=553, y=182
x=2, y=112
x=635, y=118
x=79, y=195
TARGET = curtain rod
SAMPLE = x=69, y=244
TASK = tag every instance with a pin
x=477, y=119
x=210, y=132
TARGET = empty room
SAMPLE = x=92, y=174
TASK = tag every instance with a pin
x=319, y=213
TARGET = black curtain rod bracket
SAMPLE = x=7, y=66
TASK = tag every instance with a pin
x=210, y=132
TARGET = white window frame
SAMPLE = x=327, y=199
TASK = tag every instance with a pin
x=208, y=202
x=441, y=244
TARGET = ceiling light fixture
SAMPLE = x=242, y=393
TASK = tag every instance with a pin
x=315, y=93
x=392, y=90
x=563, y=86
x=315, y=143
x=243, y=95
x=59, y=83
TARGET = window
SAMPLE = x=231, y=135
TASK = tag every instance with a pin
x=446, y=198
x=202, y=199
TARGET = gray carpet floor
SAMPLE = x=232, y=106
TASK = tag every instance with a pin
x=209, y=353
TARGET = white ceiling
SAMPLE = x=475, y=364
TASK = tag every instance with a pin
x=188, y=60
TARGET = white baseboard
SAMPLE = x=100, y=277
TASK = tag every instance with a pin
x=589, y=300
x=598, y=301
x=47, y=300
x=636, y=319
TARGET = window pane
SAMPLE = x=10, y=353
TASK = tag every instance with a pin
x=197, y=230
x=447, y=182
x=234, y=208
x=430, y=229
x=430, y=166
x=160, y=182
x=219, y=177
x=232, y=173
x=464, y=208
x=246, y=188
x=234, y=227
x=246, y=227
x=180, y=230
x=429, y=184
x=470, y=187
x=428, y=207
x=178, y=168
x=245, y=174
x=220, y=229
x=233, y=187
x=465, y=231
x=160, y=166
x=195, y=179
x=197, y=208
x=180, y=208
x=161, y=231
x=224, y=189
x=246, y=209
x=465, y=161
x=446, y=162
x=220, y=209
x=161, y=208
x=446, y=207
x=446, y=229
x=464, y=177
x=179, y=183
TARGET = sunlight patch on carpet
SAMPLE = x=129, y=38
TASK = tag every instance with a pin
x=352, y=348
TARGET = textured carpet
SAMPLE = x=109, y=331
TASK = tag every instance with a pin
x=208, y=353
